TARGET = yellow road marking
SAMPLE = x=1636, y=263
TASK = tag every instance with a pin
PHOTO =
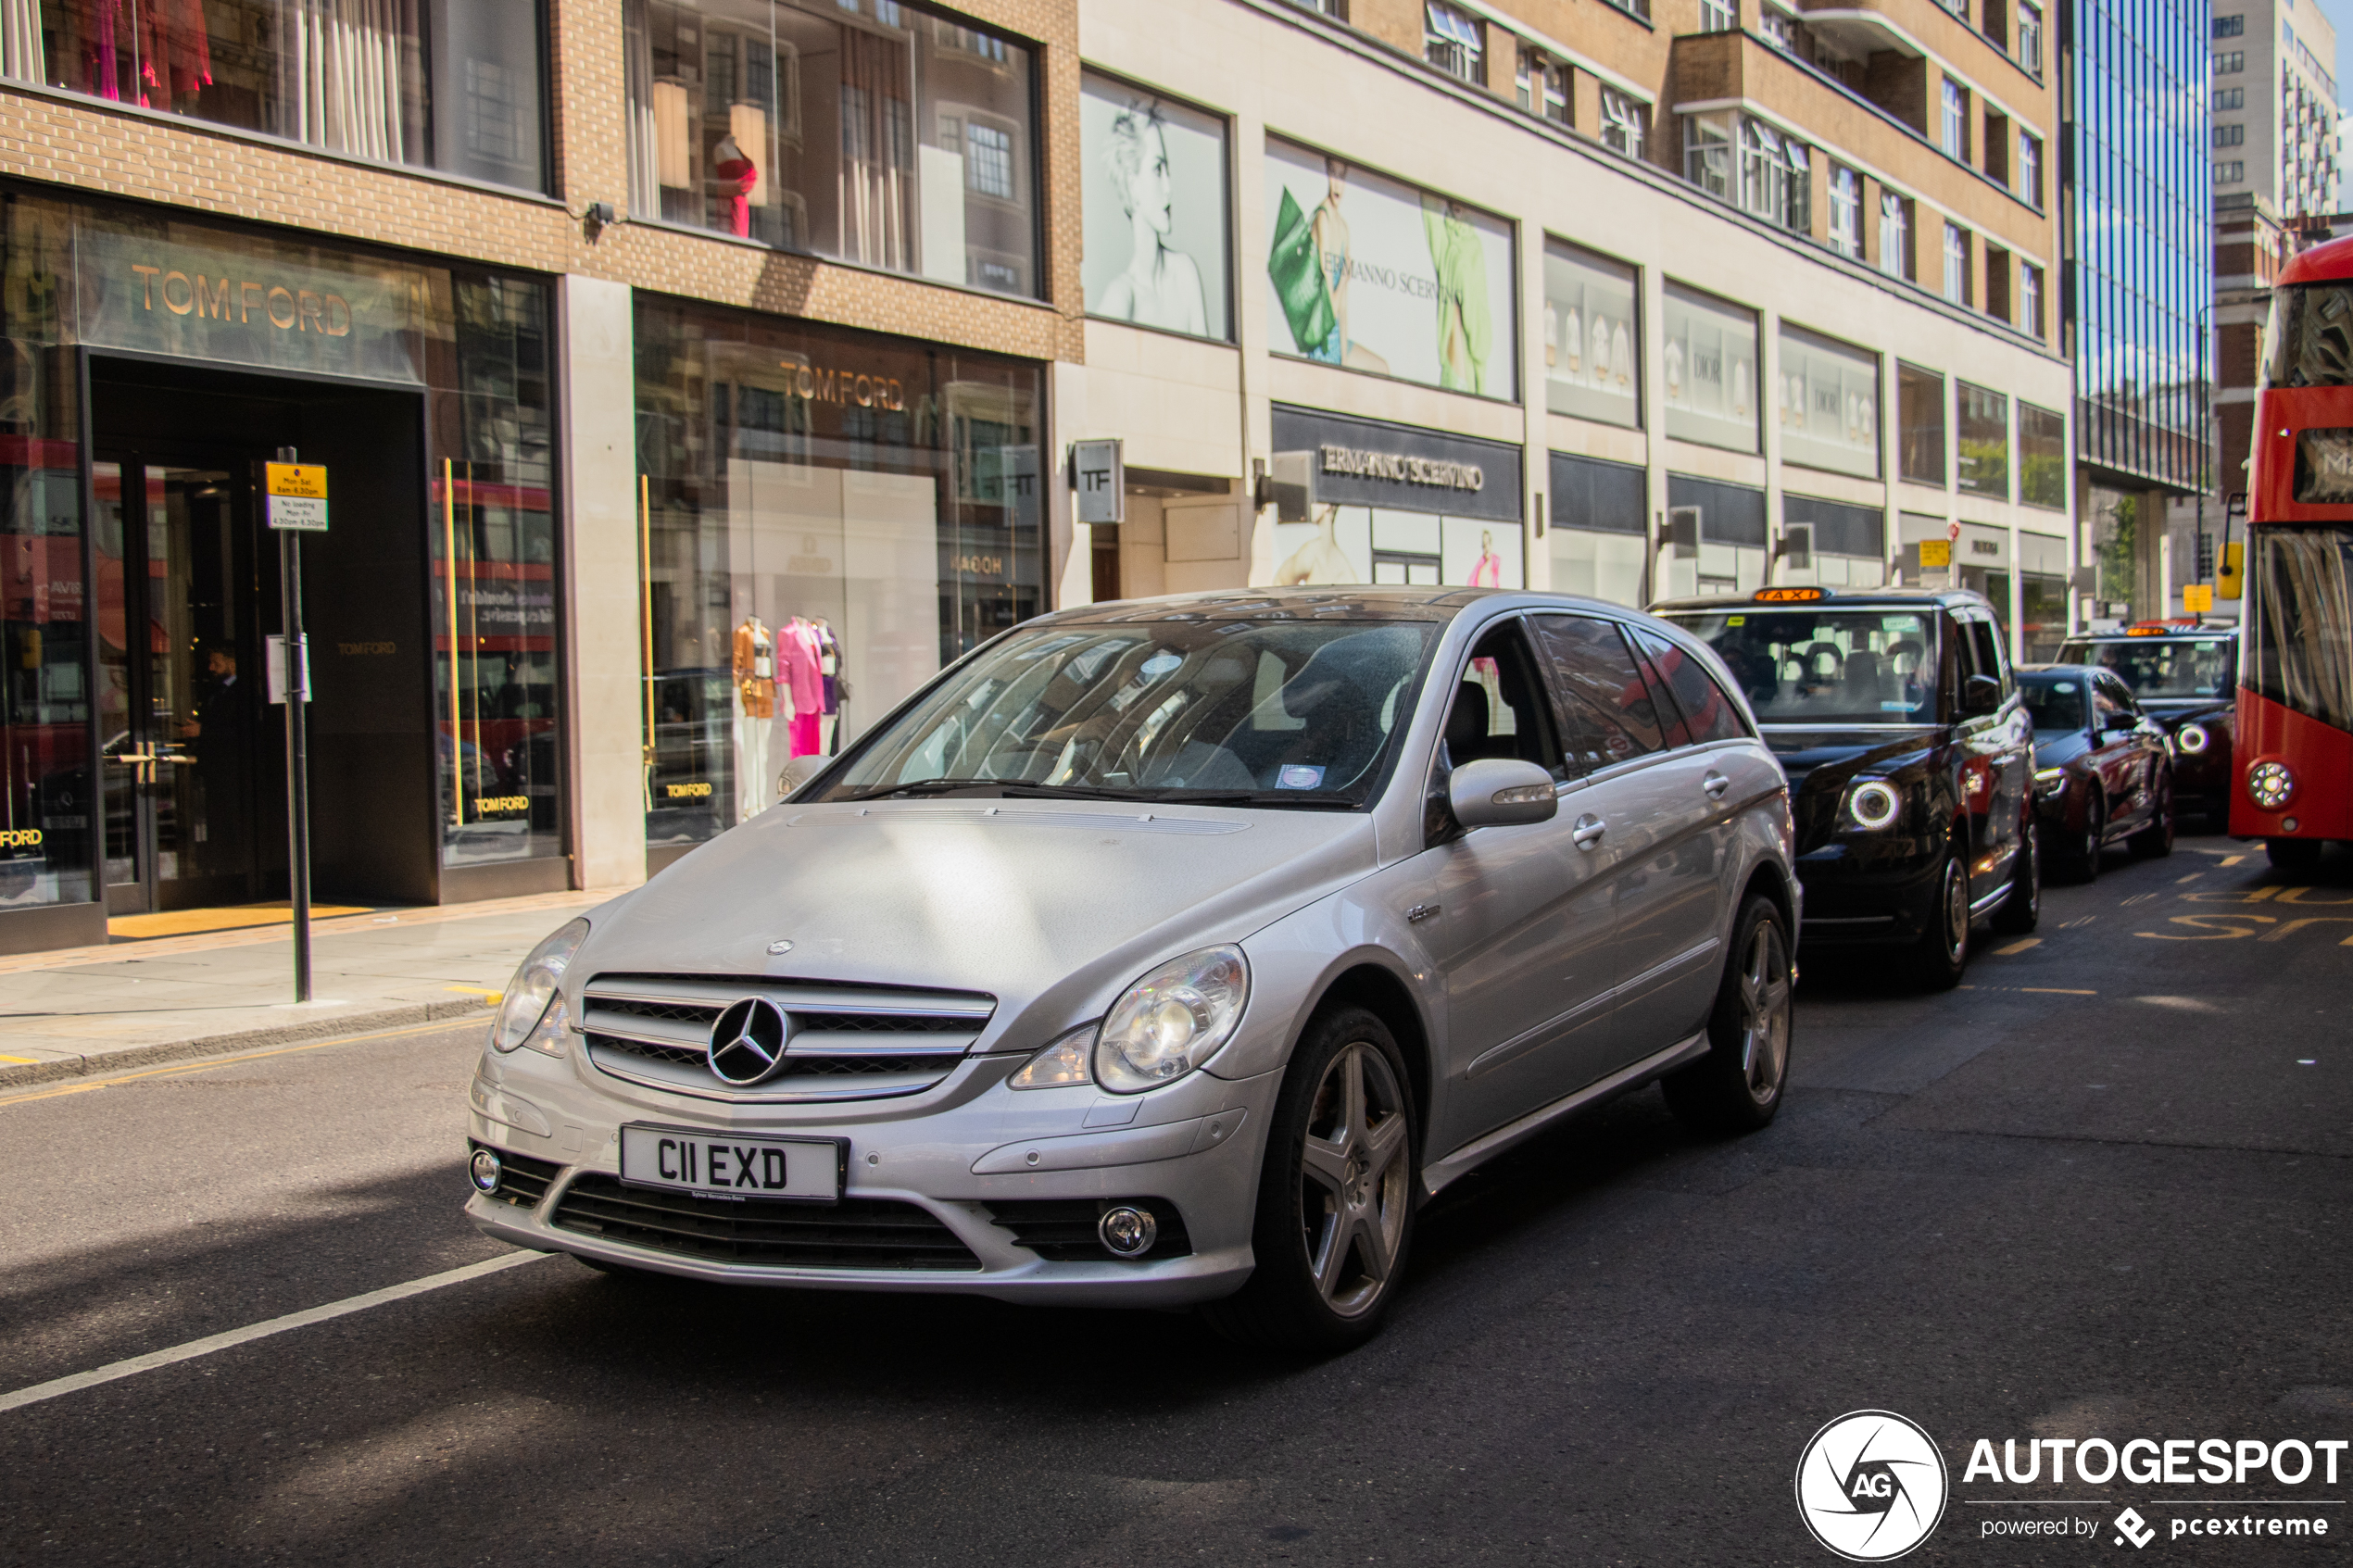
x=2018, y=946
x=207, y=1064
x=2192, y=877
x=22, y=1058
x=490, y=996
x=2234, y=860
x=2055, y=991
x=188, y=922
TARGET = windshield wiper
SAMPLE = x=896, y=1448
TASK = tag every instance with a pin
x=919, y=786
x=1320, y=798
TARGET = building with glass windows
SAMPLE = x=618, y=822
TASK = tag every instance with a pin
x=693, y=380
x=2141, y=283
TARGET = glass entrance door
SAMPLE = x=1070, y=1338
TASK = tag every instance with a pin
x=179, y=679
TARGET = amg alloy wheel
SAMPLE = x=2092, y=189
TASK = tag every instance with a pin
x=1737, y=1086
x=1336, y=1196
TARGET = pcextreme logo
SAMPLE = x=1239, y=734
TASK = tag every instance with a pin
x=1871, y=1486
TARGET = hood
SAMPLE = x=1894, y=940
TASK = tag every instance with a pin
x=2174, y=711
x=2064, y=747
x=1057, y=905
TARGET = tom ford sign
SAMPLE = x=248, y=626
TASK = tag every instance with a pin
x=1355, y=462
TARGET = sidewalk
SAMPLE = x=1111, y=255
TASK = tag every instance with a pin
x=88, y=1009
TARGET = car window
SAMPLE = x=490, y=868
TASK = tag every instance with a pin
x=1607, y=714
x=2104, y=701
x=2163, y=669
x=1706, y=712
x=1985, y=645
x=2056, y=707
x=1499, y=707
x=1825, y=664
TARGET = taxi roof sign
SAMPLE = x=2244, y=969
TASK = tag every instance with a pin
x=1789, y=595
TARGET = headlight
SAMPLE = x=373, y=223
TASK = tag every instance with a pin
x=524, y=1008
x=2049, y=781
x=1172, y=1021
x=2271, y=785
x=2190, y=738
x=1873, y=805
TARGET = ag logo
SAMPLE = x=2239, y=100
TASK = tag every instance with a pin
x=1871, y=1485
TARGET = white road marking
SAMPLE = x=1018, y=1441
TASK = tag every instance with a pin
x=235, y=1336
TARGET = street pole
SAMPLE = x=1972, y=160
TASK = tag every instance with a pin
x=297, y=748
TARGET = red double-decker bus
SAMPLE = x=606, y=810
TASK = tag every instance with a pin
x=2292, y=761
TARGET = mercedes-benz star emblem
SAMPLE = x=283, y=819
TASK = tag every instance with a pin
x=776, y=949
x=748, y=1042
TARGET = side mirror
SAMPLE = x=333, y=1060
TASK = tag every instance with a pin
x=1981, y=693
x=1500, y=792
x=799, y=771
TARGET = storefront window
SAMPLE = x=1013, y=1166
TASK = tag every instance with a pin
x=1919, y=411
x=1155, y=206
x=1710, y=368
x=1829, y=404
x=2041, y=457
x=828, y=517
x=1599, y=536
x=1984, y=440
x=452, y=85
x=865, y=130
x=1714, y=537
x=1592, y=337
x=491, y=539
x=1845, y=544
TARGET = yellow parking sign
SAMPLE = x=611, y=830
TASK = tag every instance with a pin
x=297, y=495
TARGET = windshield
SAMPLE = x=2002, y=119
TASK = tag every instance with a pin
x=2057, y=706
x=1818, y=666
x=2161, y=669
x=2301, y=597
x=2311, y=336
x=1281, y=713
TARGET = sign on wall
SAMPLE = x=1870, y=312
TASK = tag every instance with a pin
x=1155, y=206
x=1370, y=274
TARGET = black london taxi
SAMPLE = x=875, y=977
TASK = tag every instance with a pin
x=1909, y=755
x=2185, y=677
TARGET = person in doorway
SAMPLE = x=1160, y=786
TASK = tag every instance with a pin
x=220, y=736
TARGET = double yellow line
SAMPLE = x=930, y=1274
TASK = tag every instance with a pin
x=207, y=1064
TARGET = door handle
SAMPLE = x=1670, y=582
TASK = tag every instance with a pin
x=1588, y=830
x=1716, y=785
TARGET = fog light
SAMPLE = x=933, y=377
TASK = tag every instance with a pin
x=484, y=1170
x=1128, y=1233
x=2289, y=824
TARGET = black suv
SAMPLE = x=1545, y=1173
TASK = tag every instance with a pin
x=1909, y=754
x=2185, y=678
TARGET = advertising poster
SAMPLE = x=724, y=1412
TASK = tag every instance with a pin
x=1373, y=275
x=1154, y=198
x=1356, y=545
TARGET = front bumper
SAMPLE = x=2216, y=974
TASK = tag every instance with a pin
x=937, y=1160
x=1869, y=891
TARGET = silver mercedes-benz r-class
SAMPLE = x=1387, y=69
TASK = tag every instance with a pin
x=1165, y=953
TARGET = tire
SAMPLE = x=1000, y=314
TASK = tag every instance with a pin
x=2022, y=910
x=1942, y=952
x=2156, y=841
x=2083, y=857
x=1737, y=1086
x=2293, y=854
x=1336, y=1196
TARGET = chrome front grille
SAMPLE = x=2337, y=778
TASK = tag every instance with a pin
x=848, y=1041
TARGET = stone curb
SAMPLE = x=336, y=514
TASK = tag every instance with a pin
x=359, y=1023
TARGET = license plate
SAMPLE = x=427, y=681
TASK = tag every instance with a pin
x=712, y=1165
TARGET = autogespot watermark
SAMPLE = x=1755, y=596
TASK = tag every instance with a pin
x=1873, y=1485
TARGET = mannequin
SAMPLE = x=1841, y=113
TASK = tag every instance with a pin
x=796, y=654
x=829, y=667
x=755, y=714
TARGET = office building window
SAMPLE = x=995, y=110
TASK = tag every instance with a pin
x=1780, y=28
x=2230, y=27
x=2041, y=457
x=864, y=129
x=1543, y=87
x=1450, y=41
x=1718, y=15
x=1707, y=152
x=2030, y=167
x=1625, y=122
x=1983, y=428
x=1956, y=288
x=2030, y=38
x=2230, y=62
x=2229, y=97
x=1919, y=417
x=1895, y=235
x=2231, y=135
x=1336, y=9
x=2030, y=298
x=1955, y=136
x=1846, y=212
x=2231, y=174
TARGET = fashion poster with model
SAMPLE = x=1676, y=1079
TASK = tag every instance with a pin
x=1155, y=207
x=1373, y=275
x=1357, y=544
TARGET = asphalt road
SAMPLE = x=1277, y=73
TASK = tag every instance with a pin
x=2103, y=1190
